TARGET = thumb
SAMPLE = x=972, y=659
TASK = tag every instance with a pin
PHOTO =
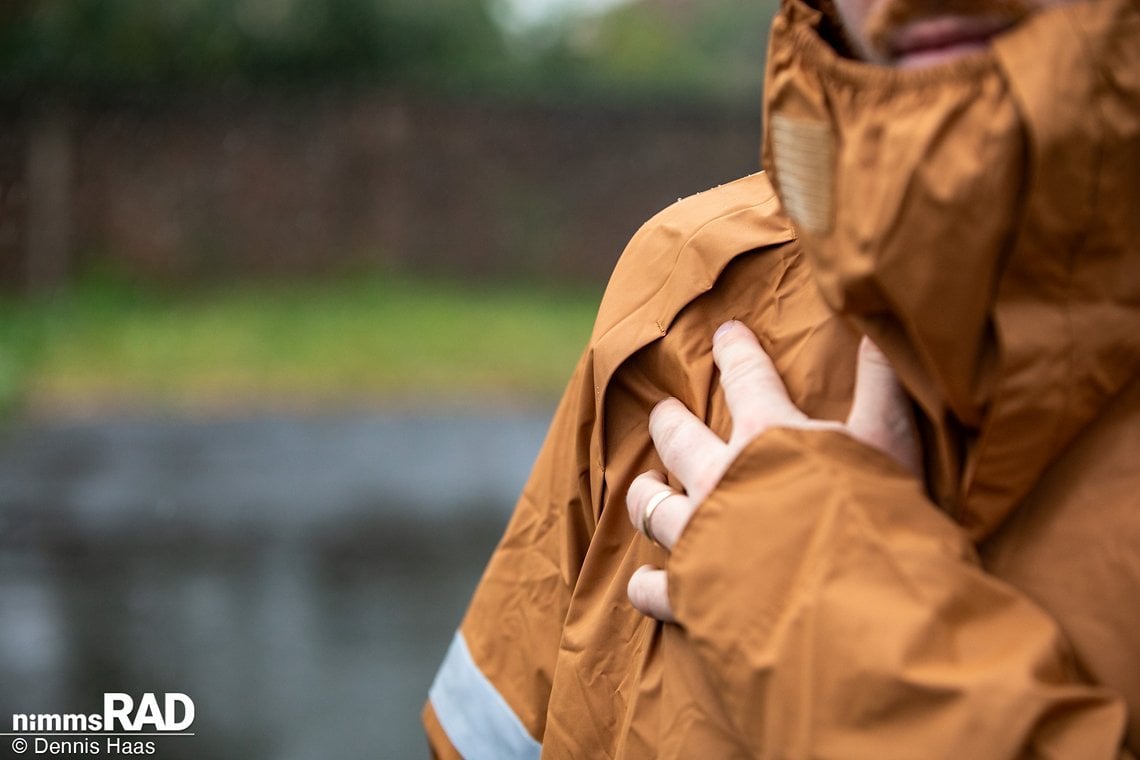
x=880, y=410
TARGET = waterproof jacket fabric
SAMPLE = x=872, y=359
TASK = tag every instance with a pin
x=830, y=605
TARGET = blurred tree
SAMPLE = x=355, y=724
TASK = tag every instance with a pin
x=70, y=44
x=686, y=48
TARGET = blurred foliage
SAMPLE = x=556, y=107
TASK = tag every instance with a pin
x=117, y=43
x=656, y=47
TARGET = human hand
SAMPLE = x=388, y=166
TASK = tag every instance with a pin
x=757, y=400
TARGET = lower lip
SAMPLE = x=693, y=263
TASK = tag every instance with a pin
x=940, y=39
x=918, y=59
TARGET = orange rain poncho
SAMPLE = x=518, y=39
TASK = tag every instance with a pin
x=980, y=222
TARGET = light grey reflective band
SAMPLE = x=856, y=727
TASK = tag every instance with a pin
x=478, y=721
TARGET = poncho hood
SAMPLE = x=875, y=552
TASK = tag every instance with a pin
x=979, y=220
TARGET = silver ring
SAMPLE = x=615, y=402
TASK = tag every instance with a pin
x=647, y=515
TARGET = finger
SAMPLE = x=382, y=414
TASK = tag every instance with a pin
x=880, y=410
x=648, y=592
x=756, y=395
x=669, y=517
x=644, y=489
x=641, y=490
x=688, y=448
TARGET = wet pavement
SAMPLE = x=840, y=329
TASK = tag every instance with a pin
x=298, y=578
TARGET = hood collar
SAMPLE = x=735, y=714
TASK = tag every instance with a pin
x=976, y=219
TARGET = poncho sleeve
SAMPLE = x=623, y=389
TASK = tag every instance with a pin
x=490, y=696
x=841, y=615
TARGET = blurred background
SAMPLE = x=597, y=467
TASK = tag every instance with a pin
x=288, y=290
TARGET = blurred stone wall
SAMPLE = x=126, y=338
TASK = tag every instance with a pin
x=220, y=186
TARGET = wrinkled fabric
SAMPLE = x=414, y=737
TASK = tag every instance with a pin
x=550, y=624
x=829, y=605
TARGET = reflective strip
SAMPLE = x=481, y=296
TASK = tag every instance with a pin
x=478, y=721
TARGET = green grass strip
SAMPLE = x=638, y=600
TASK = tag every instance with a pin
x=346, y=341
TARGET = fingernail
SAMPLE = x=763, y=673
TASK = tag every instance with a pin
x=724, y=329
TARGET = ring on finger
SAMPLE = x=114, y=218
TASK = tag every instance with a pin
x=647, y=515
